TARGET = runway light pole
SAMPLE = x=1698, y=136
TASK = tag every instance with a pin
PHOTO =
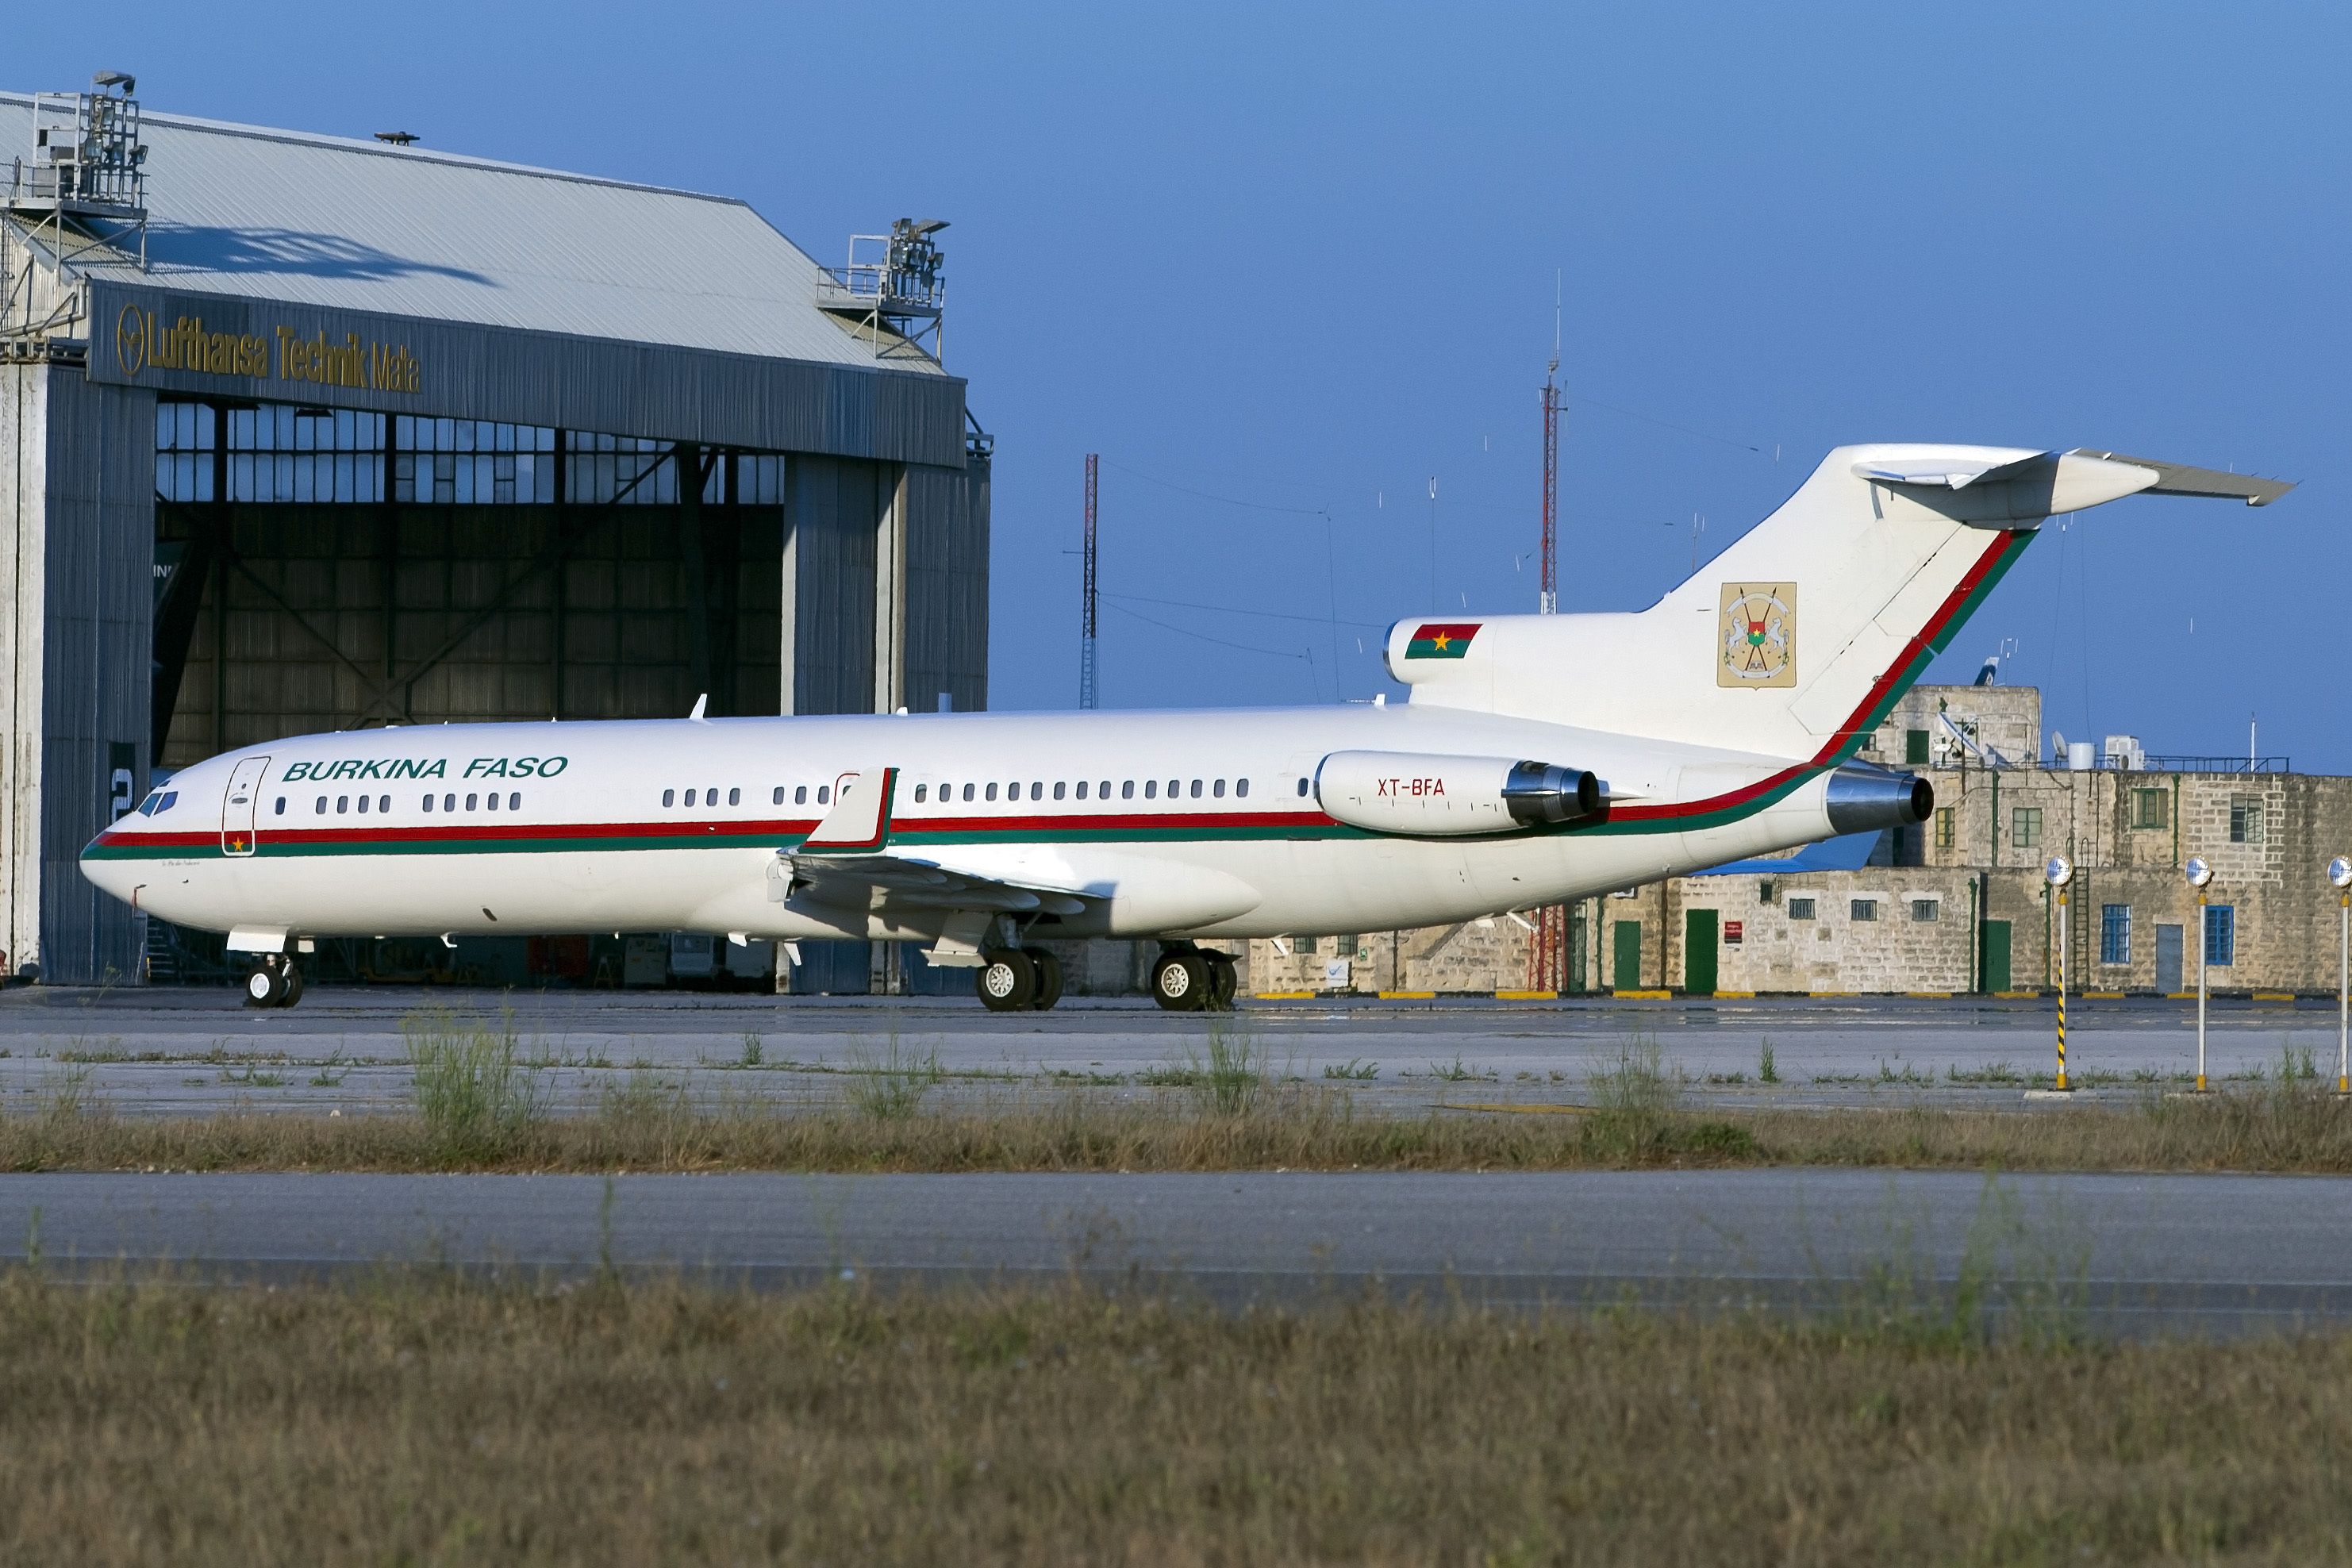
x=2199, y=874
x=2060, y=873
x=2339, y=872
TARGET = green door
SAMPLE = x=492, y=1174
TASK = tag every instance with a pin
x=1995, y=969
x=1698, y=952
x=1628, y=967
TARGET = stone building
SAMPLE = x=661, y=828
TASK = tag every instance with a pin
x=1960, y=903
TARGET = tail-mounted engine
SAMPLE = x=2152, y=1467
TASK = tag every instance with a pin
x=1435, y=795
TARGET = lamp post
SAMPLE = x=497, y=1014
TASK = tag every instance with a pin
x=2199, y=874
x=2059, y=873
x=2339, y=872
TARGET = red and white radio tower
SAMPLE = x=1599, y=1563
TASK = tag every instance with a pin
x=1548, y=942
x=1088, y=695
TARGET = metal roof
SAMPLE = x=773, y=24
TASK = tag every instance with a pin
x=247, y=212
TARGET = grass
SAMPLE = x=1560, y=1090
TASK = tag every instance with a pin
x=1228, y=1073
x=891, y=1087
x=476, y=1095
x=419, y=1418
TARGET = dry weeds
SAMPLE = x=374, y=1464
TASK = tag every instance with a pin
x=644, y=1123
x=419, y=1419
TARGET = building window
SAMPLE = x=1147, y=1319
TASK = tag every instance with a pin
x=2151, y=808
x=1862, y=909
x=2114, y=934
x=1914, y=746
x=2025, y=827
x=1946, y=826
x=2245, y=819
x=1304, y=946
x=2221, y=934
x=1926, y=910
x=1800, y=909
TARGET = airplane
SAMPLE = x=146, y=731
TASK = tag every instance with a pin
x=1538, y=759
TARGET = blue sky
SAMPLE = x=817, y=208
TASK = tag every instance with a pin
x=1283, y=265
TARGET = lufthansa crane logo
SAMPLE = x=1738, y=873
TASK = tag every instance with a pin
x=1757, y=635
x=131, y=340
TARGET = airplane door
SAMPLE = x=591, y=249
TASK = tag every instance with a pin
x=240, y=805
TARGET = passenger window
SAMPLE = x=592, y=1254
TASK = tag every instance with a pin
x=1057, y=789
x=473, y=802
x=1302, y=787
x=514, y=800
x=778, y=798
x=1127, y=790
x=1218, y=789
x=1036, y=792
x=1241, y=787
x=710, y=798
x=1106, y=789
x=322, y=805
x=1172, y=784
x=494, y=800
x=1082, y=789
x=670, y=798
x=449, y=803
x=383, y=803
x=800, y=796
x=967, y=792
x=428, y=802
x=918, y=793
x=825, y=794
x=734, y=797
x=343, y=803
x=282, y=805
x=1151, y=789
x=689, y=797
x=991, y=791
x=363, y=806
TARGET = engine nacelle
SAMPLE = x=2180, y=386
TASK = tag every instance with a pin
x=1862, y=798
x=1434, y=795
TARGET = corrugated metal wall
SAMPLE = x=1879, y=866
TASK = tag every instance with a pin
x=76, y=510
x=947, y=586
x=833, y=510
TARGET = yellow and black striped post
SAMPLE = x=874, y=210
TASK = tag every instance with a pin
x=2062, y=1085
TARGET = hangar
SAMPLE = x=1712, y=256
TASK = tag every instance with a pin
x=303, y=432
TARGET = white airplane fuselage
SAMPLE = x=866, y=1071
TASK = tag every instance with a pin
x=591, y=830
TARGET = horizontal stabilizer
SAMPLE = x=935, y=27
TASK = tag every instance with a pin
x=2180, y=479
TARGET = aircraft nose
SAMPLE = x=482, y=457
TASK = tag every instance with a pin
x=104, y=872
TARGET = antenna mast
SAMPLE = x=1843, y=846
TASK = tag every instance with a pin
x=1548, y=603
x=1088, y=695
x=1547, y=933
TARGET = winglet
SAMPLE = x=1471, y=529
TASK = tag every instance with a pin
x=859, y=821
x=700, y=704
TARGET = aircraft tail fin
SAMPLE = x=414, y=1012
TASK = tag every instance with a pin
x=1797, y=639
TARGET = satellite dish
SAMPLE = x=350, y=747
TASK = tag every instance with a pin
x=2057, y=742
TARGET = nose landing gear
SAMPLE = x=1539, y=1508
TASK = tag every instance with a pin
x=274, y=982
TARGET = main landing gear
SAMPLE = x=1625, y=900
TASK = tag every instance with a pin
x=1189, y=979
x=1019, y=980
x=274, y=982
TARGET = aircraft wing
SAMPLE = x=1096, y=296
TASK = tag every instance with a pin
x=909, y=879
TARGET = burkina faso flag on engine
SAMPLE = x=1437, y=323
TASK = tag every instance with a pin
x=1441, y=639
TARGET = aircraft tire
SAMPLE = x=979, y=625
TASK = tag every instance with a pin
x=1180, y=983
x=1049, y=977
x=1225, y=981
x=266, y=986
x=293, y=986
x=1006, y=981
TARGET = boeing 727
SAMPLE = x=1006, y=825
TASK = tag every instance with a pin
x=1538, y=759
